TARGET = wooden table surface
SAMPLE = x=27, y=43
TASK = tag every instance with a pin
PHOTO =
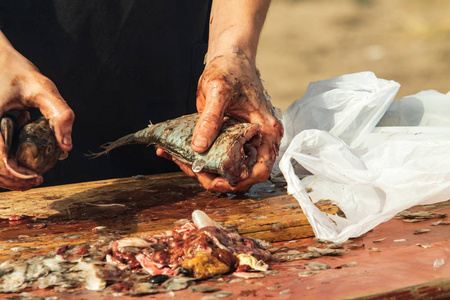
x=72, y=214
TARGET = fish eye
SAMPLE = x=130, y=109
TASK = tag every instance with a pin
x=49, y=149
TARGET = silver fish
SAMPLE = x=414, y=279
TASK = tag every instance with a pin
x=232, y=155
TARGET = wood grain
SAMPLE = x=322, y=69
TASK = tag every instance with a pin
x=76, y=213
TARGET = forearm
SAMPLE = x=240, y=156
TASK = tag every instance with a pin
x=235, y=26
x=4, y=41
x=6, y=50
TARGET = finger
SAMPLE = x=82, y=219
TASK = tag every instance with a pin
x=3, y=152
x=185, y=168
x=61, y=119
x=161, y=153
x=206, y=179
x=203, y=177
x=18, y=171
x=15, y=185
x=56, y=110
x=18, y=178
x=211, y=118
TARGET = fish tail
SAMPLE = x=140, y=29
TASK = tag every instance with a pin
x=140, y=137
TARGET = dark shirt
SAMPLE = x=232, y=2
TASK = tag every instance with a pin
x=119, y=65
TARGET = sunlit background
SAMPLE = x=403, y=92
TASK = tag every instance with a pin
x=308, y=40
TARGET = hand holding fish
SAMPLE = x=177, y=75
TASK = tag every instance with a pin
x=22, y=86
x=230, y=85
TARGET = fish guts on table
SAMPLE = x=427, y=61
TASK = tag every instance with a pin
x=232, y=155
x=196, y=250
x=201, y=250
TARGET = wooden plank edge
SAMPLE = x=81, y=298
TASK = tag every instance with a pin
x=436, y=289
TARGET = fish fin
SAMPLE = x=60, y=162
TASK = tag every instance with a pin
x=125, y=140
x=7, y=131
x=63, y=155
x=108, y=147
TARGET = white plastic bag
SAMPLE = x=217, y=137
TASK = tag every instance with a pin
x=371, y=173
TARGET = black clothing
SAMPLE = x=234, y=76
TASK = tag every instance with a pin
x=119, y=65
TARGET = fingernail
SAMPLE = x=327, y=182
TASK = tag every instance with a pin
x=200, y=141
x=67, y=140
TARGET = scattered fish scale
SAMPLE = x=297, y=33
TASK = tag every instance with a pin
x=259, y=217
x=291, y=207
x=248, y=275
x=379, y=240
x=26, y=296
x=295, y=255
x=425, y=245
x=440, y=222
x=204, y=288
x=438, y=262
x=14, y=281
x=400, y=240
x=283, y=292
x=315, y=266
x=355, y=246
x=177, y=283
x=413, y=220
x=335, y=245
x=308, y=273
x=374, y=249
x=144, y=288
x=350, y=264
x=274, y=287
x=327, y=252
x=221, y=294
x=419, y=215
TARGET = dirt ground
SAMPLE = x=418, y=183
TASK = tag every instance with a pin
x=308, y=40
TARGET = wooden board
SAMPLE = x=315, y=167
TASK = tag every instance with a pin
x=75, y=213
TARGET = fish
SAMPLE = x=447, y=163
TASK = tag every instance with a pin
x=33, y=145
x=232, y=155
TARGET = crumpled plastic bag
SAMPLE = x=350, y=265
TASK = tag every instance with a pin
x=372, y=157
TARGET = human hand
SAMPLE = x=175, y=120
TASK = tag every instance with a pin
x=22, y=86
x=230, y=85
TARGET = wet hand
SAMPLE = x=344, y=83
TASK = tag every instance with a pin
x=230, y=85
x=22, y=86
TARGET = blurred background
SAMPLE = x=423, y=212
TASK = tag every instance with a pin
x=308, y=40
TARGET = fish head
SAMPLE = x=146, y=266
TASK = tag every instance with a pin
x=37, y=148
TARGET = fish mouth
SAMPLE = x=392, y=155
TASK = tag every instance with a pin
x=242, y=155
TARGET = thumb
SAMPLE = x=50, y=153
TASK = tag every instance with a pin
x=208, y=125
x=60, y=115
